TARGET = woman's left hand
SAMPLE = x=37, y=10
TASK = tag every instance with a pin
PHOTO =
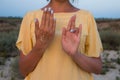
x=71, y=37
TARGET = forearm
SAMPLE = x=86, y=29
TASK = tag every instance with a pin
x=89, y=64
x=28, y=63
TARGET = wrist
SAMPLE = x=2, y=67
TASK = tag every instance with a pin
x=75, y=55
x=39, y=46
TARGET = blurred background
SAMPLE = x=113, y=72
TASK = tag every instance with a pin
x=107, y=16
x=99, y=8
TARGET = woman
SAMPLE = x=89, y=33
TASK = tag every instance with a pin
x=59, y=42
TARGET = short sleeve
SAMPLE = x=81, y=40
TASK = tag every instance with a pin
x=24, y=42
x=93, y=41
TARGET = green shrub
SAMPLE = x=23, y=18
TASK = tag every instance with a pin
x=104, y=70
x=7, y=42
x=15, y=69
x=117, y=77
x=118, y=60
x=9, y=29
x=110, y=39
x=2, y=60
x=108, y=63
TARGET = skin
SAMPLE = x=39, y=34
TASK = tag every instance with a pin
x=70, y=44
x=70, y=41
x=48, y=22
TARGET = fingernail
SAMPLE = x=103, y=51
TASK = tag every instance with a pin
x=51, y=11
x=49, y=8
x=45, y=9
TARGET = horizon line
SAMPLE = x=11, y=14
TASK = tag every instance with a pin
x=94, y=17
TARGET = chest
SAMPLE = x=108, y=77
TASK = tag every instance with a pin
x=62, y=21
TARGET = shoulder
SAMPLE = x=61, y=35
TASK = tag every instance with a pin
x=86, y=13
x=31, y=15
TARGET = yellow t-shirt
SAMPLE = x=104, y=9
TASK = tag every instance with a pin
x=55, y=63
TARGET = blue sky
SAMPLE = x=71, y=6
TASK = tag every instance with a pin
x=99, y=8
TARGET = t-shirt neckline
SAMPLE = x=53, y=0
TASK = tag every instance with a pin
x=66, y=12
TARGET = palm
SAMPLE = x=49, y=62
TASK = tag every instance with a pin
x=71, y=40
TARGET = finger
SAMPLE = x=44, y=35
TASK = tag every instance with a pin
x=43, y=18
x=63, y=32
x=54, y=25
x=73, y=22
x=80, y=30
x=51, y=20
x=75, y=30
x=70, y=22
x=47, y=18
x=36, y=24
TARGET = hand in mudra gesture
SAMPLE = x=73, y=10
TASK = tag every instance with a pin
x=44, y=32
x=71, y=37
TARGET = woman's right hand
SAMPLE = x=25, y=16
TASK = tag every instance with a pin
x=44, y=34
x=45, y=31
